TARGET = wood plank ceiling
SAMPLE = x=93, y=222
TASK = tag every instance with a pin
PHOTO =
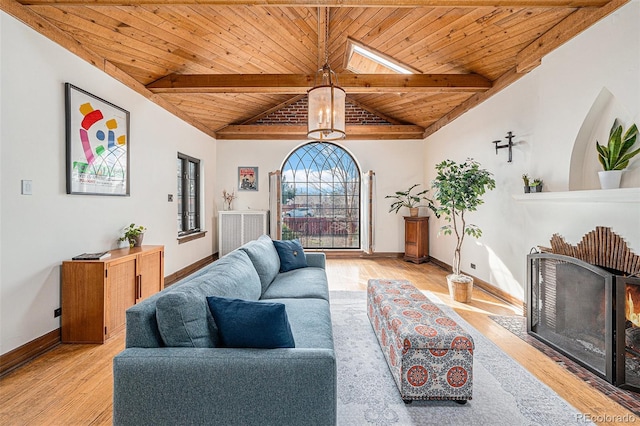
x=220, y=64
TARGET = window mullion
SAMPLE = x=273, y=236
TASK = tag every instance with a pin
x=185, y=195
x=197, y=195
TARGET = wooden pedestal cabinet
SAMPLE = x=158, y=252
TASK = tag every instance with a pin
x=96, y=293
x=416, y=239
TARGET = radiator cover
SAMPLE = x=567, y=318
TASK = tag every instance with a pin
x=236, y=228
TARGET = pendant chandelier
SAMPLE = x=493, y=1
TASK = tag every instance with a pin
x=326, y=101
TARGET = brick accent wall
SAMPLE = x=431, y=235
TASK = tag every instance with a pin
x=296, y=114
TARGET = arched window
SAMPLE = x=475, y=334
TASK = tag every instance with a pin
x=321, y=197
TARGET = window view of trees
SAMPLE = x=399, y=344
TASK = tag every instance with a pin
x=321, y=197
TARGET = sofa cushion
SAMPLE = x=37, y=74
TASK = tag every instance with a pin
x=249, y=324
x=184, y=320
x=233, y=275
x=310, y=321
x=265, y=259
x=291, y=255
x=300, y=283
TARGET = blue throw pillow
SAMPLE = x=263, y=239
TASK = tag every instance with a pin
x=291, y=254
x=250, y=324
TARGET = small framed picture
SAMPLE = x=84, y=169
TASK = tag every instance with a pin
x=97, y=145
x=247, y=178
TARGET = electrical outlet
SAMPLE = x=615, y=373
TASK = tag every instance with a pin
x=27, y=187
x=57, y=312
x=170, y=198
x=473, y=266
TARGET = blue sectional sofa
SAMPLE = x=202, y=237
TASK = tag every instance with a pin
x=173, y=370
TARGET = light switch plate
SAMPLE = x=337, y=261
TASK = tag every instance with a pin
x=26, y=187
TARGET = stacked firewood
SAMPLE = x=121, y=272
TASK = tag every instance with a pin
x=601, y=247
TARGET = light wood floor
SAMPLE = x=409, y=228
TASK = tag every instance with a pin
x=73, y=384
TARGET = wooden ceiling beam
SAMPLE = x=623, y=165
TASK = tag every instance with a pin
x=300, y=84
x=288, y=132
x=329, y=3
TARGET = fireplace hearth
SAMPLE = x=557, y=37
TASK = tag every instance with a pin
x=590, y=313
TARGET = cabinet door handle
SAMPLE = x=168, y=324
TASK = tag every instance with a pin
x=138, y=287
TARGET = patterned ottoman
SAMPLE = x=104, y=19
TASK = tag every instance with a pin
x=429, y=355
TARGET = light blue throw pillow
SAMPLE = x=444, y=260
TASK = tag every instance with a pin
x=249, y=324
x=291, y=254
x=185, y=321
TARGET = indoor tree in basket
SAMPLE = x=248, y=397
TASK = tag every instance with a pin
x=615, y=156
x=407, y=199
x=133, y=234
x=458, y=189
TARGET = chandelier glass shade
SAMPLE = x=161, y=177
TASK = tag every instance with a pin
x=326, y=108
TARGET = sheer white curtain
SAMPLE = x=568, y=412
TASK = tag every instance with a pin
x=368, y=200
x=275, y=206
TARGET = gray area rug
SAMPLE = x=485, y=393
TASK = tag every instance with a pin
x=504, y=393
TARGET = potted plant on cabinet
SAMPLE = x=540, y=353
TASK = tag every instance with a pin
x=133, y=234
x=228, y=198
x=458, y=189
x=615, y=157
x=406, y=199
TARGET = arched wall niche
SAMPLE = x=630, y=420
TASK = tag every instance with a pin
x=584, y=168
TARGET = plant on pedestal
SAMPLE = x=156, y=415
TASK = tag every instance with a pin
x=615, y=157
x=458, y=189
x=407, y=199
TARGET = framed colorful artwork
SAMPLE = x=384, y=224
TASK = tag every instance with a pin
x=247, y=178
x=97, y=145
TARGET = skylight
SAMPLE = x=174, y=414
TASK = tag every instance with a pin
x=364, y=60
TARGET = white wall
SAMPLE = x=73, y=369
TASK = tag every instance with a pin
x=39, y=231
x=397, y=164
x=545, y=110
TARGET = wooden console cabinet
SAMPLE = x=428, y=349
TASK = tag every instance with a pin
x=96, y=293
x=416, y=239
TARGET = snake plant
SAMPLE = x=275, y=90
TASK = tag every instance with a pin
x=614, y=156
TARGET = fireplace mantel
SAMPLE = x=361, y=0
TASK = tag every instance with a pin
x=620, y=195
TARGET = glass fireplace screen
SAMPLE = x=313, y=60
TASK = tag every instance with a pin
x=571, y=307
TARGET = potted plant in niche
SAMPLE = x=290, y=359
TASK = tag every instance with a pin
x=407, y=199
x=133, y=234
x=458, y=189
x=615, y=157
x=525, y=180
x=536, y=185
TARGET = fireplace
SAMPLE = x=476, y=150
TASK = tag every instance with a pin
x=590, y=313
x=632, y=332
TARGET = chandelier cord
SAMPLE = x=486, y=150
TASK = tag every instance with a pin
x=326, y=36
